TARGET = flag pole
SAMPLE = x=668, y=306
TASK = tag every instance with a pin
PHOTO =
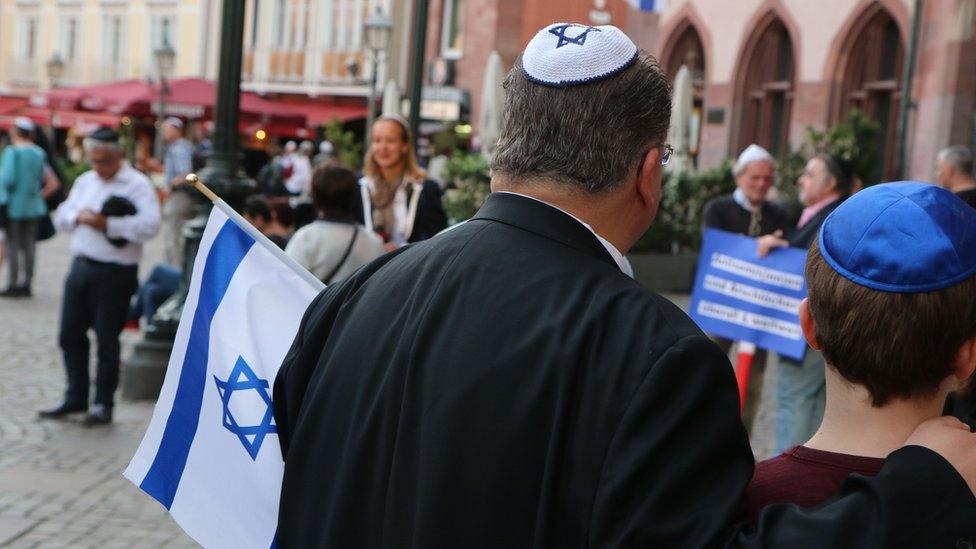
x=258, y=237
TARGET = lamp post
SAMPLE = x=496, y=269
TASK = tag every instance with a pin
x=55, y=69
x=146, y=367
x=378, y=28
x=164, y=56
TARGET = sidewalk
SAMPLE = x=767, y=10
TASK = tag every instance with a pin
x=61, y=484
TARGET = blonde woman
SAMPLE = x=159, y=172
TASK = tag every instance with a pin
x=397, y=199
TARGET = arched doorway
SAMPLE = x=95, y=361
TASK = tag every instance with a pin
x=687, y=50
x=870, y=81
x=766, y=88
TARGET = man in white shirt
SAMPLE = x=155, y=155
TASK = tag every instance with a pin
x=107, y=246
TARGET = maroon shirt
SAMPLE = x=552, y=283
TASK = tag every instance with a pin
x=804, y=476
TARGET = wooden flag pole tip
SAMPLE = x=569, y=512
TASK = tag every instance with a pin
x=194, y=179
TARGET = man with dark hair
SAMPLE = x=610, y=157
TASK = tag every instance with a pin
x=897, y=334
x=507, y=384
x=258, y=212
x=104, y=271
x=954, y=170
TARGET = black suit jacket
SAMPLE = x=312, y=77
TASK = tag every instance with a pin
x=504, y=385
x=430, y=218
x=802, y=237
x=726, y=214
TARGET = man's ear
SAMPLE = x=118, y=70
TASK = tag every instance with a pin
x=808, y=325
x=965, y=363
x=649, y=179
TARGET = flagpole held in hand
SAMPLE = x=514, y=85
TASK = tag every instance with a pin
x=194, y=180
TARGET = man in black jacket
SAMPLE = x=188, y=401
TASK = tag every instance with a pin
x=520, y=390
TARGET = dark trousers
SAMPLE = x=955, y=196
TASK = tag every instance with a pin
x=22, y=235
x=96, y=296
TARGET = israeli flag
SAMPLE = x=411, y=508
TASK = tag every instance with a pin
x=210, y=454
x=648, y=5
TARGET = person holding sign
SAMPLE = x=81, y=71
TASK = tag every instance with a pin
x=899, y=258
x=825, y=182
x=747, y=211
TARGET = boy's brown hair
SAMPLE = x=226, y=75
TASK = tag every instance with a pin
x=897, y=345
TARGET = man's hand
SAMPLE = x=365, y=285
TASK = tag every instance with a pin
x=770, y=242
x=92, y=219
x=951, y=439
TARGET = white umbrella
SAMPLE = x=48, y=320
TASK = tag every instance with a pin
x=682, y=102
x=492, y=100
x=391, y=98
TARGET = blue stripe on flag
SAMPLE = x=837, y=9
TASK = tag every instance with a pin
x=226, y=253
x=647, y=5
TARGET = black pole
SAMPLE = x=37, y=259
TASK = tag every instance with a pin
x=226, y=141
x=146, y=367
x=905, y=104
x=417, y=65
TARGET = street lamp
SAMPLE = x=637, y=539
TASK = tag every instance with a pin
x=164, y=56
x=55, y=69
x=378, y=28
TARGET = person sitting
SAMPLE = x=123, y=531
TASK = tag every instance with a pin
x=892, y=307
x=258, y=212
x=335, y=245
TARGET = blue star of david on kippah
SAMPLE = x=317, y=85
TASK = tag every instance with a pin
x=242, y=378
x=579, y=39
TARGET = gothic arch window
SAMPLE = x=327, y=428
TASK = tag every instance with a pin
x=687, y=50
x=871, y=82
x=767, y=88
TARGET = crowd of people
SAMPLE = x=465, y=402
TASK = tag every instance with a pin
x=523, y=390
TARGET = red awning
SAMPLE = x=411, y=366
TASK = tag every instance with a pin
x=82, y=121
x=319, y=113
x=9, y=103
x=192, y=98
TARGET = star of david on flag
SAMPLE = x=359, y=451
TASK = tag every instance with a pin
x=210, y=454
x=579, y=39
x=243, y=380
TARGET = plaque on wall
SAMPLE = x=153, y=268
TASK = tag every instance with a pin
x=715, y=116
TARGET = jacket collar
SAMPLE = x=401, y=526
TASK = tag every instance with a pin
x=544, y=220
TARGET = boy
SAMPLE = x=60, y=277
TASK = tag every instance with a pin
x=892, y=306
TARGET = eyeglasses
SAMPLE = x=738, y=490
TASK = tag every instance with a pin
x=666, y=151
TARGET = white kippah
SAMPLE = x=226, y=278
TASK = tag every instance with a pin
x=753, y=153
x=24, y=123
x=569, y=54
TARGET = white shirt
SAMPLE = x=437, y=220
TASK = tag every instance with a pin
x=301, y=174
x=89, y=192
x=618, y=257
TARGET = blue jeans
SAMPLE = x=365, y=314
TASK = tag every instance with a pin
x=800, y=392
x=163, y=282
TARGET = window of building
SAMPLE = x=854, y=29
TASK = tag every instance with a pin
x=113, y=45
x=68, y=38
x=871, y=83
x=161, y=31
x=28, y=37
x=452, y=34
x=255, y=7
x=767, y=89
x=280, y=20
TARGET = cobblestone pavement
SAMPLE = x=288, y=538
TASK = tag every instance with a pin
x=61, y=484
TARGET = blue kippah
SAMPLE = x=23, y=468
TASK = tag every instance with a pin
x=903, y=237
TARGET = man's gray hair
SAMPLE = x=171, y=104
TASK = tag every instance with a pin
x=590, y=137
x=958, y=157
x=91, y=144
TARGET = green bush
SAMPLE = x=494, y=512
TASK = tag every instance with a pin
x=856, y=139
x=348, y=148
x=678, y=225
x=469, y=173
